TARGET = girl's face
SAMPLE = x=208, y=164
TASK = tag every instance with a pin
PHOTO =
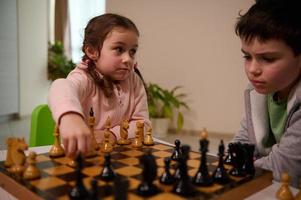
x=271, y=66
x=117, y=55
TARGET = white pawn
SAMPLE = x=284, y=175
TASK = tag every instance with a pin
x=284, y=192
x=31, y=172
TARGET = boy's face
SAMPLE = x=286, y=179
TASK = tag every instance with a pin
x=117, y=56
x=271, y=66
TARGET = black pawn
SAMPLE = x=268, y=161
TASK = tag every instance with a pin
x=79, y=191
x=149, y=174
x=184, y=186
x=94, y=192
x=220, y=174
x=202, y=177
x=229, y=158
x=107, y=173
x=248, y=166
x=176, y=154
x=166, y=178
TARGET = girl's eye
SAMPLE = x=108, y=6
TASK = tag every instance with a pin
x=119, y=49
x=133, y=52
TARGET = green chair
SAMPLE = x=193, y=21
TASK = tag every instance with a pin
x=42, y=127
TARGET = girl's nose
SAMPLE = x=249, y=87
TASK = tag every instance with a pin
x=126, y=57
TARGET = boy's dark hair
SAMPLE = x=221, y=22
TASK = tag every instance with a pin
x=272, y=19
x=96, y=32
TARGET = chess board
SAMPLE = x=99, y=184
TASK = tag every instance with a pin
x=58, y=178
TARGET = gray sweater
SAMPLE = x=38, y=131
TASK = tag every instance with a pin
x=284, y=156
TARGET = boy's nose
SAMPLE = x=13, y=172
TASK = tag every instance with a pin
x=254, y=68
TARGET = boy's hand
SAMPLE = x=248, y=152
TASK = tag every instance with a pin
x=75, y=134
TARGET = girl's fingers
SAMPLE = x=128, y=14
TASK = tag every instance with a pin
x=82, y=144
x=72, y=148
x=65, y=143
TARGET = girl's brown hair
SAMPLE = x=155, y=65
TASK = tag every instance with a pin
x=96, y=31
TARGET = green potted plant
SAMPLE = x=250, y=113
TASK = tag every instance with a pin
x=163, y=104
x=59, y=65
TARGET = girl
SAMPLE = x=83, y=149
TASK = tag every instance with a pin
x=105, y=80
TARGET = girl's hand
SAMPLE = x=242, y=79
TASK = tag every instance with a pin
x=75, y=134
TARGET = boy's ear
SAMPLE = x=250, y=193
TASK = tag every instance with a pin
x=91, y=53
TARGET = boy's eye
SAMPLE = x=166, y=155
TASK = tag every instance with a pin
x=268, y=59
x=247, y=57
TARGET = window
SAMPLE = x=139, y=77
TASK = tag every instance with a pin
x=80, y=12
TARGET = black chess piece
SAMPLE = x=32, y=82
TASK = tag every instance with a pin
x=202, y=177
x=228, y=160
x=167, y=178
x=121, y=188
x=238, y=161
x=94, y=191
x=248, y=166
x=176, y=154
x=79, y=192
x=107, y=173
x=149, y=174
x=220, y=173
x=184, y=186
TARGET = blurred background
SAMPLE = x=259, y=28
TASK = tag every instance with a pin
x=190, y=43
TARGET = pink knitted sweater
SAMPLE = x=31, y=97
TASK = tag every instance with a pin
x=78, y=93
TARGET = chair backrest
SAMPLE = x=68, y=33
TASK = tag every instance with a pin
x=42, y=127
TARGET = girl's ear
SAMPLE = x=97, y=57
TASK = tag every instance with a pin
x=91, y=53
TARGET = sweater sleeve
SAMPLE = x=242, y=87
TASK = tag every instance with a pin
x=66, y=95
x=242, y=135
x=286, y=155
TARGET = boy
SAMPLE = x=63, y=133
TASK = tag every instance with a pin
x=270, y=34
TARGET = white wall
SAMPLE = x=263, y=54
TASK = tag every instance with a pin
x=193, y=44
x=190, y=43
x=32, y=41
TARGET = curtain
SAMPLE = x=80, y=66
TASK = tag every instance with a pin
x=62, y=25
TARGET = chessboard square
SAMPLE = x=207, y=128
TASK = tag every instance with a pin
x=162, y=147
x=237, y=179
x=128, y=171
x=42, y=158
x=118, y=156
x=132, y=153
x=92, y=171
x=98, y=160
x=66, y=197
x=129, y=161
x=58, y=191
x=47, y=183
x=167, y=195
x=133, y=196
x=86, y=181
x=192, y=172
x=194, y=155
x=133, y=183
x=162, y=154
x=46, y=164
x=160, y=162
x=62, y=160
x=228, y=167
x=211, y=189
x=193, y=163
x=59, y=170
